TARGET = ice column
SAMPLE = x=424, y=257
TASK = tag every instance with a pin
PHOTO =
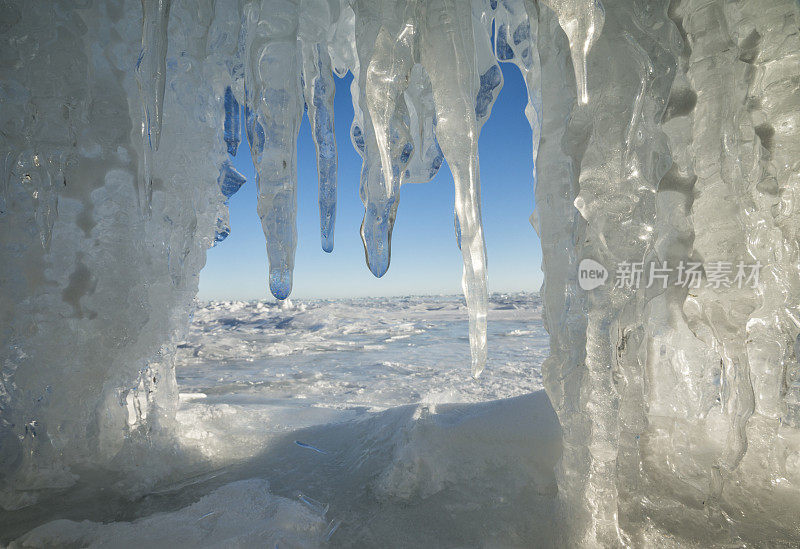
x=769, y=45
x=87, y=382
x=615, y=140
x=560, y=226
x=721, y=198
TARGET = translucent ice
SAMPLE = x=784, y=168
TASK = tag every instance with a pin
x=385, y=34
x=230, y=181
x=447, y=33
x=275, y=104
x=233, y=130
x=151, y=70
x=582, y=21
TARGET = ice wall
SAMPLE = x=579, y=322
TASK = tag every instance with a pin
x=664, y=133
x=95, y=283
x=676, y=403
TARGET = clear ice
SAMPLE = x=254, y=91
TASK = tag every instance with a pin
x=151, y=69
x=663, y=131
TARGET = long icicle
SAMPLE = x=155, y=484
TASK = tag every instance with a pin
x=319, y=89
x=384, y=47
x=448, y=34
x=273, y=97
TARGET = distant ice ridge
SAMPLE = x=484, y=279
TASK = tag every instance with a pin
x=664, y=131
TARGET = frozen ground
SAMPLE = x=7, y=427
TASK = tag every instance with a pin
x=352, y=423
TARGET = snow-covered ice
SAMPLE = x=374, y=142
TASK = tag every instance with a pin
x=247, y=370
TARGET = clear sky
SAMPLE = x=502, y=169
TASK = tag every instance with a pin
x=425, y=257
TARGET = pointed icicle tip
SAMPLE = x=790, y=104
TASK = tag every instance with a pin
x=377, y=240
x=280, y=282
x=327, y=243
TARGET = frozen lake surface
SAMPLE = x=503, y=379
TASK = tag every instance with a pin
x=319, y=361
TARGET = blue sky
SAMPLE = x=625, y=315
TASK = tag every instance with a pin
x=425, y=258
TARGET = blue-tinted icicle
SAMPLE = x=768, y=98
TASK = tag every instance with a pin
x=319, y=88
x=385, y=59
x=230, y=181
x=274, y=104
x=232, y=127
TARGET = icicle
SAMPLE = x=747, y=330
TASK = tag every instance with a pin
x=151, y=72
x=384, y=40
x=273, y=98
x=448, y=34
x=232, y=124
x=457, y=227
x=316, y=18
x=490, y=83
x=582, y=21
x=319, y=90
x=387, y=76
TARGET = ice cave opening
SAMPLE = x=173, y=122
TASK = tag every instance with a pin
x=665, y=146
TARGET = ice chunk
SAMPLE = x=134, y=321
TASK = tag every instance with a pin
x=242, y=513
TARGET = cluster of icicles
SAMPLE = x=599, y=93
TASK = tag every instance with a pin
x=426, y=76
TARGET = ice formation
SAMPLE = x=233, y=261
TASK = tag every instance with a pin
x=663, y=131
